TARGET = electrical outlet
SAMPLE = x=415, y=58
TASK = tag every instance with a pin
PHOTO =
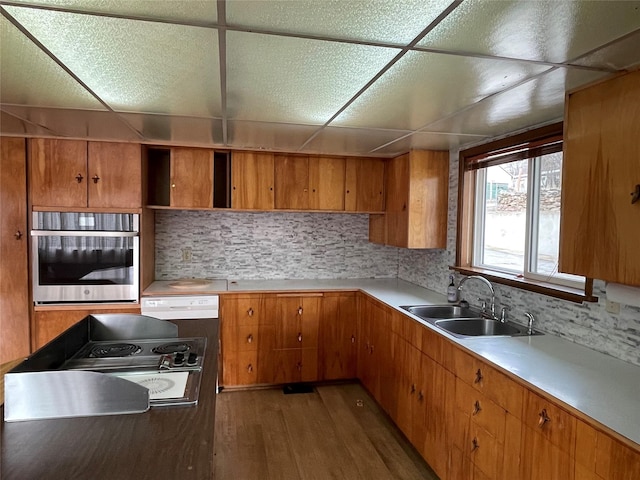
x=186, y=255
x=612, y=307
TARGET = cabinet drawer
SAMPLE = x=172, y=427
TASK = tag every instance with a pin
x=495, y=385
x=240, y=368
x=555, y=424
x=250, y=310
x=482, y=412
x=484, y=450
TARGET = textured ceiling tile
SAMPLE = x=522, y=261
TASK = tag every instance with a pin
x=29, y=76
x=276, y=79
x=423, y=87
x=268, y=136
x=352, y=141
x=550, y=30
x=179, y=130
x=133, y=65
x=392, y=21
x=535, y=102
x=624, y=54
x=183, y=10
x=101, y=125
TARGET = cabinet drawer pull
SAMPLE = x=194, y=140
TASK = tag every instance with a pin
x=413, y=389
x=18, y=235
x=250, y=312
x=371, y=349
x=353, y=339
x=635, y=195
x=250, y=368
x=544, y=418
x=300, y=336
x=474, y=444
x=299, y=366
x=479, y=376
x=476, y=408
x=250, y=338
x=420, y=396
x=299, y=310
x=95, y=178
x=79, y=178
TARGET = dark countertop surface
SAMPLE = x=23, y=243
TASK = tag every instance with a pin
x=163, y=443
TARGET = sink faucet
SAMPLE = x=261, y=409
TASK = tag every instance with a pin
x=492, y=305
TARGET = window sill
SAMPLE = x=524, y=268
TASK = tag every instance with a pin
x=552, y=290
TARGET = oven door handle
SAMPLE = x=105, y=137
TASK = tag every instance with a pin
x=81, y=233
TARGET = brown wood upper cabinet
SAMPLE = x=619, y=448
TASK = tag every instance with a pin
x=600, y=222
x=252, y=181
x=80, y=174
x=309, y=182
x=191, y=178
x=364, y=185
x=416, y=201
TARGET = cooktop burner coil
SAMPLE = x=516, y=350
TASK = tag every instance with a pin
x=173, y=347
x=114, y=350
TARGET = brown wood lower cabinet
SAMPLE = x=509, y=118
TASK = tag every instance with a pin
x=467, y=419
x=51, y=322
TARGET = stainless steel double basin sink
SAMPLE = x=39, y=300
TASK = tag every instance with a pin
x=462, y=321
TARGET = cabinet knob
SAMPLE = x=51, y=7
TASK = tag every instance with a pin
x=250, y=338
x=474, y=444
x=250, y=312
x=173, y=185
x=420, y=396
x=249, y=368
x=300, y=336
x=299, y=366
x=18, y=235
x=543, y=418
x=476, y=408
x=79, y=178
x=353, y=339
x=479, y=376
x=95, y=179
x=371, y=349
x=300, y=310
x=413, y=388
x=635, y=195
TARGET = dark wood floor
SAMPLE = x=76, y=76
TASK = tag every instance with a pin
x=265, y=434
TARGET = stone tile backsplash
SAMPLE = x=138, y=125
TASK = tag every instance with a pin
x=284, y=245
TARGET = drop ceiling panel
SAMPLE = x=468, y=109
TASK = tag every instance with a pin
x=351, y=141
x=535, y=102
x=28, y=76
x=194, y=11
x=620, y=55
x=268, y=136
x=289, y=80
x=12, y=125
x=428, y=141
x=392, y=21
x=554, y=31
x=134, y=65
x=179, y=130
x=100, y=125
x=423, y=87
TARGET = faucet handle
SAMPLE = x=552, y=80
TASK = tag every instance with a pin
x=503, y=313
x=483, y=304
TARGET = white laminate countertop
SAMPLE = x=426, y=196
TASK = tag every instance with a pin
x=602, y=387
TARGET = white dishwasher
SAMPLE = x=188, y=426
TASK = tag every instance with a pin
x=180, y=307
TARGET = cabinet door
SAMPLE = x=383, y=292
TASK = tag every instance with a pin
x=364, y=185
x=337, y=337
x=291, y=182
x=252, y=180
x=191, y=178
x=599, y=225
x=397, y=201
x=326, y=183
x=58, y=173
x=14, y=285
x=297, y=321
x=115, y=175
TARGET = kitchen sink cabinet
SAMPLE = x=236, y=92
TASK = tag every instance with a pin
x=416, y=206
x=252, y=181
x=337, y=343
x=374, y=341
x=14, y=283
x=246, y=339
x=79, y=174
x=49, y=322
x=364, y=184
x=600, y=222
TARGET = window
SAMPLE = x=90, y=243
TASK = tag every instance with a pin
x=509, y=214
